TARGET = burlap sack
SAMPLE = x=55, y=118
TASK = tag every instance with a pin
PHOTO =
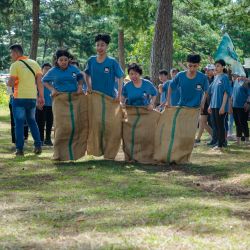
x=105, y=125
x=139, y=126
x=175, y=134
x=71, y=126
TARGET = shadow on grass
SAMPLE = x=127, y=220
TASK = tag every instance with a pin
x=217, y=171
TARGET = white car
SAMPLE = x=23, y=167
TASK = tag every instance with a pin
x=4, y=77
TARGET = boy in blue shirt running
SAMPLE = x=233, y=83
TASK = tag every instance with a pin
x=192, y=85
x=102, y=71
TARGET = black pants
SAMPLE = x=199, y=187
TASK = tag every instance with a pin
x=12, y=121
x=44, y=116
x=219, y=123
x=240, y=118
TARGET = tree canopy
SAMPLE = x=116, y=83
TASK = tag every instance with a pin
x=197, y=27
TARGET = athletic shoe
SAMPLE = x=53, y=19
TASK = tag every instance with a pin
x=19, y=152
x=48, y=143
x=38, y=150
x=212, y=143
x=217, y=149
x=197, y=141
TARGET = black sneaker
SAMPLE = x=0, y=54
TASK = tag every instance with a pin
x=38, y=150
x=212, y=143
x=48, y=143
x=197, y=141
x=19, y=152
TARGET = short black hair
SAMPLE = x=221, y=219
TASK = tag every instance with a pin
x=193, y=58
x=46, y=65
x=147, y=78
x=74, y=62
x=136, y=67
x=174, y=70
x=16, y=48
x=62, y=52
x=163, y=72
x=221, y=62
x=103, y=37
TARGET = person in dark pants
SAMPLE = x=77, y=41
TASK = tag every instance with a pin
x=219, y=106
x=45, y=115
x=209, y=70
x=241, y=106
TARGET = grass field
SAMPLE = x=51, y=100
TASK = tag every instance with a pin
x=98, y=204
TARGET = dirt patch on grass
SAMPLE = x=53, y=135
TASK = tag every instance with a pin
x=232, y=186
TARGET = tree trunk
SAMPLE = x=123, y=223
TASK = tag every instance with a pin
x=45, y=48
x=35, y=29
x=162, y=48
x=121, y=49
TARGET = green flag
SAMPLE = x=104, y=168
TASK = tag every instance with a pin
x=227, y=52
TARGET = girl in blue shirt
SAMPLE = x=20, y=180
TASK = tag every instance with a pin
x=240, y=105
x=219, y=92
x=63, y=77
x=138, y=92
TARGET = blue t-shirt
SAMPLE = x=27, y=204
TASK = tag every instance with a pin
x=164, y=93
x=240, y=94
x=175, y=96
x=103, y=75
x=191, y=90
x=139, y=96
x=219, y=86
x=47, y=97
x=63, y=80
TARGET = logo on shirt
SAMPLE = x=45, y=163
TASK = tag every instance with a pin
x=74, y=75
x=106, y=70
x=198, y=86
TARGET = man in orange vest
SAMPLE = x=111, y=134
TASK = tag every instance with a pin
x=25, y=77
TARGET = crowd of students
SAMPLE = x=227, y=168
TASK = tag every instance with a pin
x=213, y=92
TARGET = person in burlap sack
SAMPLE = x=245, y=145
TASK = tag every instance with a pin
x=140, y=120
x=69, y=108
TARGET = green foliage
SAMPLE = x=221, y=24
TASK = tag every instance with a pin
x=141, y=50
x=4, y=98
x=198, y=26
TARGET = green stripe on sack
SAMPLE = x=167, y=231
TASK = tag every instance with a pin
x=170, y=147
x=103, y=122
x=71, y=110
x=133, y=133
